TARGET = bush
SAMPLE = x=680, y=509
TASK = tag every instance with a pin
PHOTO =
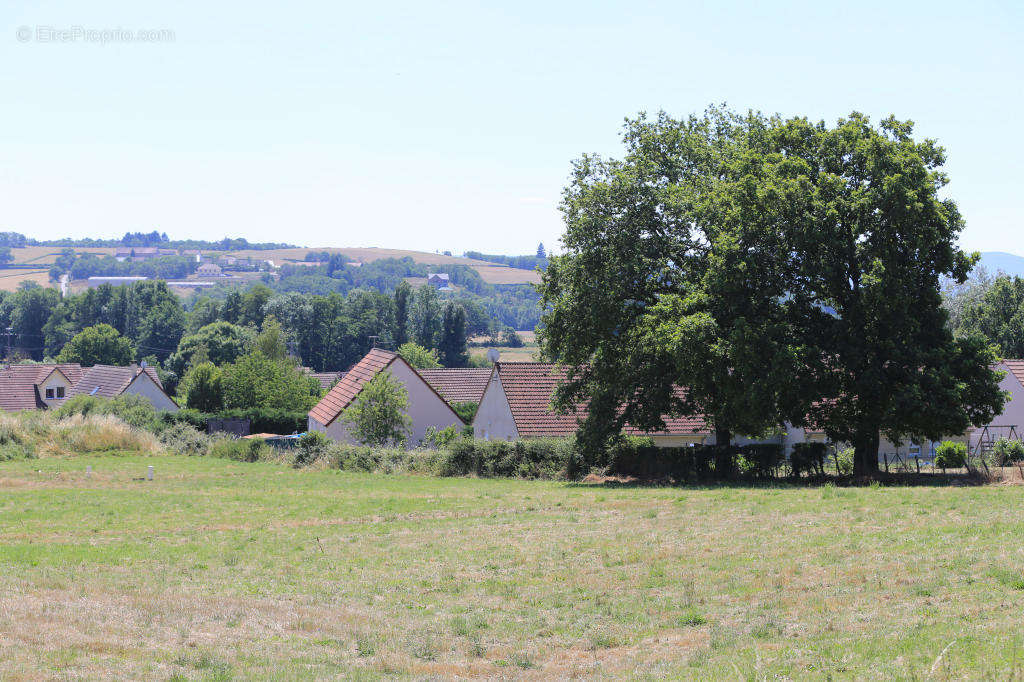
x=381, y=460
x=133, y=410
x=269, y=420
x=436, y=438
x=466, y=410
x=760, y=460
x=807, y=458
x=240, y=449
x=1007, y=450
x=844, y=462
x=184, y=439
x=312, y=445
x=951, y=454
x=548, y=458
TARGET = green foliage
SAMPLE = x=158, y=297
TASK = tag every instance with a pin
x=202, y=388
x=220, y=343
x=813, y=257
x=377, y=415
x=272, y=341
x=452, y=344
x=466, y=410
x=99, y=345
x=760, y=460
x=161, y=330
x=549, y=458
x=510, y=339
x=255, y=381
x=808, y=458
x=844, y=459
x=184, y=439
x=240, y=449
x=132, y=409
x=418, y=356
x=994, y=310
x=951, y=454
x=1007, y=450
x=311, y=446
x=403, y=294
x=425, y=317
x=438, y=438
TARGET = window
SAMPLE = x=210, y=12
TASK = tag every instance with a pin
x=49, y=394
x=60, y=393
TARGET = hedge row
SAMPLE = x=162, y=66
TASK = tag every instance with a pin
x=261, y=421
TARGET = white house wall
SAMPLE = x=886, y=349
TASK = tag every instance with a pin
x=1012, y=414
x=493, y=419
x=143, y=385
x=426, y=409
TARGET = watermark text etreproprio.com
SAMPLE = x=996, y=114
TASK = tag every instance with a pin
x=99, y=36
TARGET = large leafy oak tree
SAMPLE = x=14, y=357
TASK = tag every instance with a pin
x=779, y=270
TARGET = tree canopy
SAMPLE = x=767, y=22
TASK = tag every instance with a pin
x=98, y=345
x=776, y=270
x=377, y=415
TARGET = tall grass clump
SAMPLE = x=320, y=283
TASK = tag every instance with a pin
x=100, y=433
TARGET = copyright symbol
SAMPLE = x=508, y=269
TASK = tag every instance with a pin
x=24, y=34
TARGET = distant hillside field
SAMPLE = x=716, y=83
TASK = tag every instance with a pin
x=489, y=272
x=44, y=256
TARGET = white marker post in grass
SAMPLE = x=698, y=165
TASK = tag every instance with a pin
x=149, y=473
x=88, y=471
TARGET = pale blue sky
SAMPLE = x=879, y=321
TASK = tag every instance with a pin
x=452, y=125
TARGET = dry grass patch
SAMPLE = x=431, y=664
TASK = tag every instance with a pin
x=225, y=569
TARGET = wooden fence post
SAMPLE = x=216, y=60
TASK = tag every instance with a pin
x=885, y=458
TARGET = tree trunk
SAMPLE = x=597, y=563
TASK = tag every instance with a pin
x=722, y=436
x=865, y=453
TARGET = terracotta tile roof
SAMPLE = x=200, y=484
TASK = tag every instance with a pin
x=349, y=386
x=326, y=379
x=108, y=381
x=458, y=385
x=1016, y=367
x=529, y=387
x=18, y=384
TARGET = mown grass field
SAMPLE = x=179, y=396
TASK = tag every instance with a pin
x=219, y=570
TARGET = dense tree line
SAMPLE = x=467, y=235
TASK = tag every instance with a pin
x=991, y=308
x=154, y=238
x=326, y=333
x=539, y=261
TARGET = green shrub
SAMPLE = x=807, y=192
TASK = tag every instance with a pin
x=439, y=438
x=1007, y=450
x=807, y=458
x=549, y=458
x=951, y=454
x=183, y=439
x=760, y=459
x=466, y=410
x=240, y=449
x=133, y=410
x=383, y=460
x=844, y=462
x=312, y=445
x=638, y=456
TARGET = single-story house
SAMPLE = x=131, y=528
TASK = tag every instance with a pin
x=209, y=270
x=426, y=406
x=439, y=280
x=457, y=384
x=45, y=386
x=517, y=405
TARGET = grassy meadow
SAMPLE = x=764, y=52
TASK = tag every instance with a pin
x=220, y=570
